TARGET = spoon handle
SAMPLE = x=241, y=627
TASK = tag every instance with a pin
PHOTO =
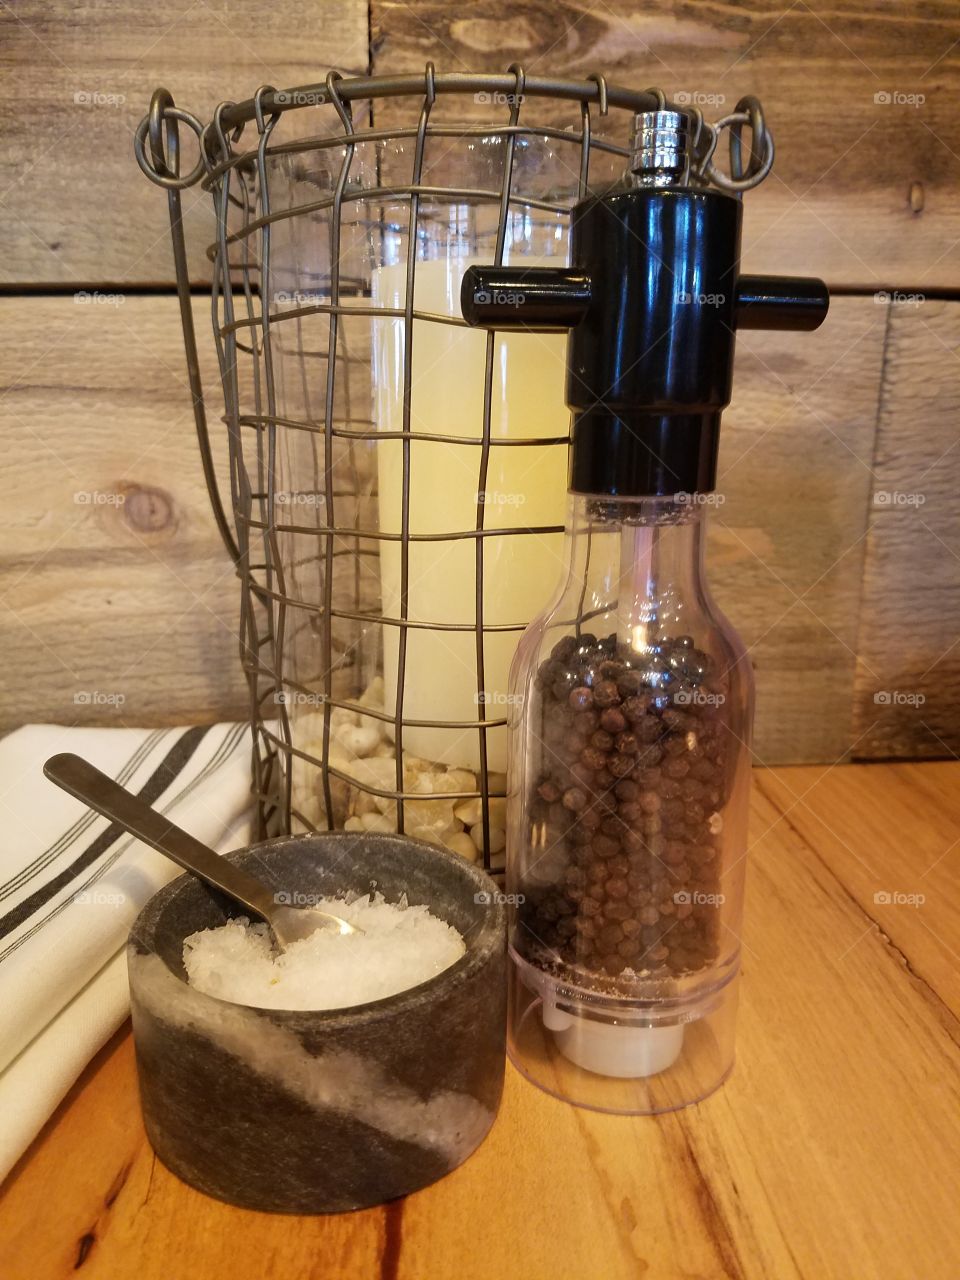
x=81, y=779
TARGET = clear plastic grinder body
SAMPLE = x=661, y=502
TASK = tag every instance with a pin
x=631, y=702
x=630, y=764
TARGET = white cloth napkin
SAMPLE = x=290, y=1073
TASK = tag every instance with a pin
x=71, y=885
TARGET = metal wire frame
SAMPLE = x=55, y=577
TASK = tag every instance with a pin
x=238, y=182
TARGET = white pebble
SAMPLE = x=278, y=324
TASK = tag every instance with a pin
x=339, y=716
x=460, y=842
x=422, y=833
x=376, y=772
x=470, y=812
x=459, y=780
x=363, y=802
x=498, y=838
x=377, y=822
x=433, y=815
x=358, y=740
x=359, y=750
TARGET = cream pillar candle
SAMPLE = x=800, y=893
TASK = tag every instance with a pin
x=525, y=486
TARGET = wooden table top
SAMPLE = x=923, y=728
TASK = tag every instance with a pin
x=833, y=1151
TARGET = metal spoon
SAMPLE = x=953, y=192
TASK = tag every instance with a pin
x=287, y=923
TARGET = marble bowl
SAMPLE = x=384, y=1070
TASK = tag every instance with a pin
x=322, y=1111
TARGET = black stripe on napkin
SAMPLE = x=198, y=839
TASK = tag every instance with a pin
x=158, y=782
x=85, y=821
x=103, y=865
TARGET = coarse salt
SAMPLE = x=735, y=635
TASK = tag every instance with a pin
x=400, y=947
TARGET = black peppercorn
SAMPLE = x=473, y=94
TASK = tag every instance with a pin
x=574, y=799
x=613, y=720
x=629, y=797
x=605, y=693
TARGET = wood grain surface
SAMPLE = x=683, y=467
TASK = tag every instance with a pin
x=861, y=191
x=139, y=599
x=908, y=668
x=76, y=82
x=832, y=1151
x=863, y=186
x=786, y=543
x=118, y=603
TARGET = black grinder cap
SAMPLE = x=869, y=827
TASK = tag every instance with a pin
x=652, y=302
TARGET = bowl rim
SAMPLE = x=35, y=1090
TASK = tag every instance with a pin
x=474, y=957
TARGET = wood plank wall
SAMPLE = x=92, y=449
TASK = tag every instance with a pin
x=836, y=549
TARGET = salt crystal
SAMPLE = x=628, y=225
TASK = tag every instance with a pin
x=400, y=947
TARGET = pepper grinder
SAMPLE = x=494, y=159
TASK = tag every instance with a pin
x=631, y=695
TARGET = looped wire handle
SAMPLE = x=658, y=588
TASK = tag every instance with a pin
x=259, y=115
x=214, y=140
x=163, y=168
x=741, y=178
x=430, y=85
x=600, y=80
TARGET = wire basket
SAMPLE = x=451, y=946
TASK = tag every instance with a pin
x=397, y=481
